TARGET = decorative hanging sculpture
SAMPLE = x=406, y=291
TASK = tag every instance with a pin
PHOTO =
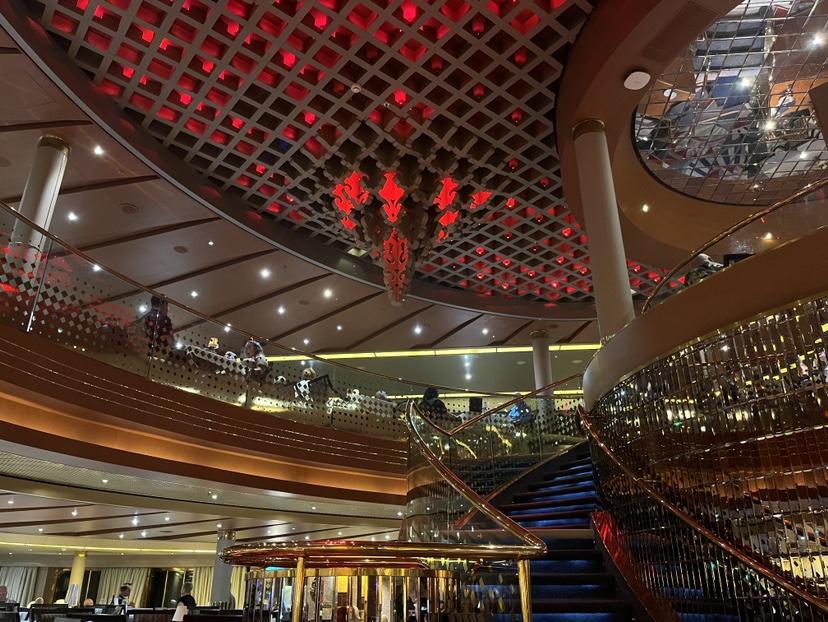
x=399, y=234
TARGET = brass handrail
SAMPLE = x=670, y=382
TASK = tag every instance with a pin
x=698, y=527
x=530, y=540
x=207, y=318
x=729, y=231
x=287, y=554
x=515, y=400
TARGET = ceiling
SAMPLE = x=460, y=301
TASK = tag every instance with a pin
x=207, y=139
x=47, y=526
x=257, y=104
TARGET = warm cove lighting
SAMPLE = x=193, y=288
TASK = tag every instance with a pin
x=569, y=347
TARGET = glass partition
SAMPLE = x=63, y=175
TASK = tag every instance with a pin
x=732, y=429
x=59, y=294
x=790, y=219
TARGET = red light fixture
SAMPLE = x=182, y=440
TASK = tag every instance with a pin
x=401, y=234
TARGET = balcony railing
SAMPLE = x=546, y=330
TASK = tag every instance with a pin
x=61, y=294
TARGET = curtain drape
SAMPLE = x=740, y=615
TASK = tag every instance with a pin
x=113, y=578
x=237, y=585
x=202, y=585
x=20, y=581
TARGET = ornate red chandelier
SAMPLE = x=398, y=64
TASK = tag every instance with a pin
x=399, y=236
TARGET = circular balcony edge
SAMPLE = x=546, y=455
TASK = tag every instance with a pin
x=733, y=296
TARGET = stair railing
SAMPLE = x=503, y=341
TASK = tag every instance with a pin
x=742, y=580
x=439, y=501
x=758, y=216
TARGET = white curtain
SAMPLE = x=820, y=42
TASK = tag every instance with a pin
x=20, y=580
x=202, y=585
x=113, y=578
x=237, y=585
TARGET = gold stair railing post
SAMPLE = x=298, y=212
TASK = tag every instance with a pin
x=525, y=585
x=299, y=591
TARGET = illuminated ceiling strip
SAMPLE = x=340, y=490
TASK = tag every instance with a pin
x=566, y=347
x=75, y=547
x=417, y=396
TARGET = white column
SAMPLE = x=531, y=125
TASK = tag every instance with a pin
x=76, y=578
x=610, y=278
x=220, y=592
x=541, y=360
x=41, y=191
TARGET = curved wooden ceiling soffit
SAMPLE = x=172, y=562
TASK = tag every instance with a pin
x=619, y=38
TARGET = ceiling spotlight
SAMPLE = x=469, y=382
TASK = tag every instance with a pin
x=214, y=497
x=338, y=327
x=104, y=481
x=770, y=124
x=636, y=80
x=468, y=376
x=485, y=331
x=399, y=513
x=767, y=236
x=210, y=243
x=327, y=293
x=74, y=512
x=339, y=533
x=645, y=208
x=98, y=150
x=746, y=83
x=135, y=521
x=265, y=273
x=281, y=310
x=313, y=507
x=143, y=534
x=11, y=501
x=40, y=528
x=306, y=341
x=142, y=309
x=804, y=155
x=218, y=525
x=72, y=216
x=307, y=537
x=121, y=536
x=166, y=518
x=194, y=294
x=817, y=40
x=96, y=268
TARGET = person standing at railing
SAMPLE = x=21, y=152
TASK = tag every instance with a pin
x=158, y=327
x=703, y=267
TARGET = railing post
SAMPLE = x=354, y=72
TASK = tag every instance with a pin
x=525, y=585
x=298, y=591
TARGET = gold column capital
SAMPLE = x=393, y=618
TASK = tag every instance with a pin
x=55, y=142
x=539, y=334
x=586, y=126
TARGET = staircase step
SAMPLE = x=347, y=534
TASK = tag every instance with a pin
x=559, y=479
x=552, y=492
x=572, y=578
x=587, y=497
x=593, y=605
x=579, y=617
x=529, y=512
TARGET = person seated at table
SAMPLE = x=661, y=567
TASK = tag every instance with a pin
x=89, y=603
x=158, y=327
x=254, y=359
x=435, y=409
